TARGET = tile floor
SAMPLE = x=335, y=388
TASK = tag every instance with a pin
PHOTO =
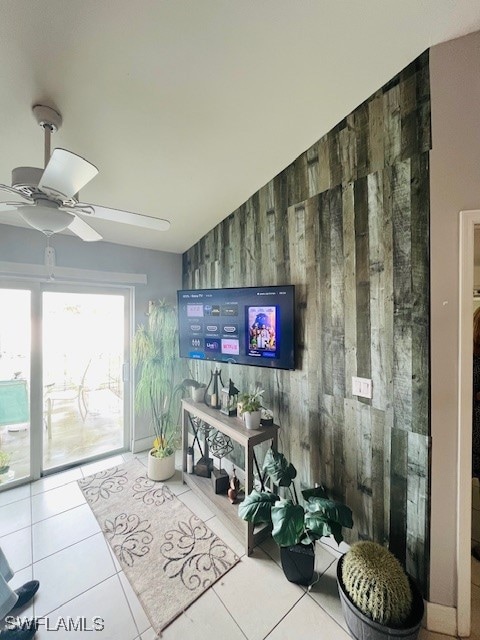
x=48, y=532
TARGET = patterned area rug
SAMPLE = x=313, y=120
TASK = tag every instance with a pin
x=168, y=554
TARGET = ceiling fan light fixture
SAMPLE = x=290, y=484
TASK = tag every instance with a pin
x=48, y=220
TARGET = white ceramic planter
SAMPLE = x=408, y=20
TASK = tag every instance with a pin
x=198, y=394
x=159, y=469
x=252, y=419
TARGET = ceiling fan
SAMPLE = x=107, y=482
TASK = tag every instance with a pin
x=47, y=199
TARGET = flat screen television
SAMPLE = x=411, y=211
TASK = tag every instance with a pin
x=248, y=325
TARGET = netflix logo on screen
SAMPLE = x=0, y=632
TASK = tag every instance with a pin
x=230, y=347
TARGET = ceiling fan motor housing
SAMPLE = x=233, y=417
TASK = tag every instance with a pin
x=26, y=177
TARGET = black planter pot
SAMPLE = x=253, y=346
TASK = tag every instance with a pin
x=298, y=563
x=361, y=627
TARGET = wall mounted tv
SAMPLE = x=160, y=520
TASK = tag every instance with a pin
x=249, y=325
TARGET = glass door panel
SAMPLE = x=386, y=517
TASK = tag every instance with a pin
x=83, y=355
x=15, y=342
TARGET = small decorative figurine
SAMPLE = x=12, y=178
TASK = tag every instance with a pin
x=220, y=446
x=234, y=488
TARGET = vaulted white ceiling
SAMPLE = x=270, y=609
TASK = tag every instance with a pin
x=188, y=107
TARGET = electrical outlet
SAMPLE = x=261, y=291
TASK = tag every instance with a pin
x=361, y=387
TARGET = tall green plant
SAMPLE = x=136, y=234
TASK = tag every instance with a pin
x=155, y=348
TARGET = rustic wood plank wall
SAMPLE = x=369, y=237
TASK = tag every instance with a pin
x=347, y=223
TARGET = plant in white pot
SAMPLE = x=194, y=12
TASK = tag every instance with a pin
x=157, y=391
x=251, y=404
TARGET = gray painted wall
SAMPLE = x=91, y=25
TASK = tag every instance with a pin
x=454, y=186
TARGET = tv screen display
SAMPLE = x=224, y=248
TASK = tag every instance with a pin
x=248, y=325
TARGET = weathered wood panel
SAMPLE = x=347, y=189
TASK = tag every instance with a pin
x=362, y=275
x=420, y=295
x=347, y=222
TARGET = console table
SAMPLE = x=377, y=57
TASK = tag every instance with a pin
x=248, y=439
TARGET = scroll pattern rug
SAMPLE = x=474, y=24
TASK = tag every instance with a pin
x=167, y=553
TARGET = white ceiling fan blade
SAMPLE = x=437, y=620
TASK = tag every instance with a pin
x=13, y=196
x=125, y=217
x=84, y=230
x=65, y=174
x=9, y=206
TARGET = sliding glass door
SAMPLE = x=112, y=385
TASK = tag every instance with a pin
x=63, y=396
x=83, y=356
x=15, y=366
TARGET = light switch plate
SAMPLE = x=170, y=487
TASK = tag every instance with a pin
x=361, y=387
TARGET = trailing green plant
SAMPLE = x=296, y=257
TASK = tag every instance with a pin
x=252, y=401
x=376, y=583
x=4, y=461
x=293, y=522
x=158, y=392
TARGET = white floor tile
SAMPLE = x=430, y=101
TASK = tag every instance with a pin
x=206, y=619
x=70, y=572
x=308, y=621
x=56, y=480
x=14, y=516
x=50, y=503
x=13, y=495
x=150, y=635
x=176, y=484
x=139, y=615
x=430, y=635
x=272, y=549
x=104, y=604
x=17, y=547
x=196, y=506
x=227, y=536
x=60, y=531
x=100, y=465
x=323, y=559
x=325, y=593
x=252, y=583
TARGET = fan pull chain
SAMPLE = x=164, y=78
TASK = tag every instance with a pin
x=50, y=260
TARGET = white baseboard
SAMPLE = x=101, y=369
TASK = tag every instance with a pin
x=143, y=444
x=441, y=619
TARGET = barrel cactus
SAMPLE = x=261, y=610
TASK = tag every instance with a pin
x=377, y=584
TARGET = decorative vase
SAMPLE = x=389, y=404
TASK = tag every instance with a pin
x=252, y=419
x=159, y=469
x=361, y=627
x=298, y=563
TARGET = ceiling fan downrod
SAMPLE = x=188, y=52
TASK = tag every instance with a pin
x=50, y=121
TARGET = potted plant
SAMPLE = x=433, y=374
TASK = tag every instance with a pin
x=157, y=391
x=378, y=599
x=295, y=526
x=251, y=404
